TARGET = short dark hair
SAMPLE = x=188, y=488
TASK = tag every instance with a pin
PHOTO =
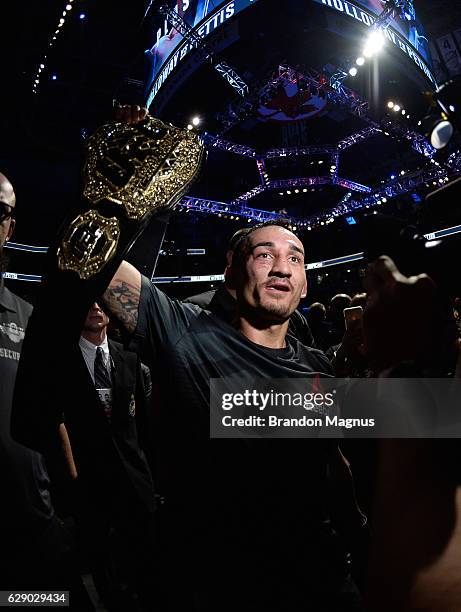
x=239, y=234
x=241, y=240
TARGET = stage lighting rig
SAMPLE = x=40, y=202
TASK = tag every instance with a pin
x=222, y=68
x=442, y=125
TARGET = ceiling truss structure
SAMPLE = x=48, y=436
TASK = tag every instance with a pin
x=222, y=67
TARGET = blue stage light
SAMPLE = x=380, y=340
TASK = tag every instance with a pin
x=351, y=220
x=82, y=16
x=393, y=176
x=53, y=77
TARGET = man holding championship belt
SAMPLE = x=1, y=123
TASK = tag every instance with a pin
x=247, y=525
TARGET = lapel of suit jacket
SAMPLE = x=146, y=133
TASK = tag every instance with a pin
x=121, y=377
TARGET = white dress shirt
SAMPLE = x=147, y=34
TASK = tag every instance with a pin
x=89, y=354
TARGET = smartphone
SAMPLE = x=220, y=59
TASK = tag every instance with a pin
x=352, y=314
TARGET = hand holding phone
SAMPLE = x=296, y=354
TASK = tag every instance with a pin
x=352, y=314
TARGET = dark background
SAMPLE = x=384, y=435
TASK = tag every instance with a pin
x=101, y=58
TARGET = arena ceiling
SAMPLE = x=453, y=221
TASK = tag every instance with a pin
x=101, y=57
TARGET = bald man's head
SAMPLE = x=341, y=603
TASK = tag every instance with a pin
x=7, y=206
x=6, y=191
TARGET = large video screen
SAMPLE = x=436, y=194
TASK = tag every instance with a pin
x=167, y=39
x=205, y=16
x=405, y=23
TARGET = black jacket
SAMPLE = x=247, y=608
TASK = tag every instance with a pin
x=109, y=457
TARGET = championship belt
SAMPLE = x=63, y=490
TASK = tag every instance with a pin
x=133, y=171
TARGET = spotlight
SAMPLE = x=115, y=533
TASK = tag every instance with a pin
x=396, y=108
x=402, y=172
x=384, y=200
x=82, y=16
x=42, y=66
x=353, y=71
x=441, y=134
x=296, y=190
x=288, y=192
x=404, y=112
x=390, y=104
x=360, y=61
x=321, y=161
x=190, y=127
x=68, y=7
x=53, y=77
x=195, y=121
x=374, y=43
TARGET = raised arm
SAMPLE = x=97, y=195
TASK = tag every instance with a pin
x=123, y=294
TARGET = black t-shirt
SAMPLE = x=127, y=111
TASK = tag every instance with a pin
x=26, y=507
x=196, y=345
x=238, y=499
x=221, y=303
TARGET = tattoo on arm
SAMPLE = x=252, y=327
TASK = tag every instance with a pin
x=122, y=298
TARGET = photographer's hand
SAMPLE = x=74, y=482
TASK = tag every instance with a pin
x=351, y=351
x=400, y=317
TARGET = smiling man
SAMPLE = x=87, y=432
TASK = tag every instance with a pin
x=257, y=510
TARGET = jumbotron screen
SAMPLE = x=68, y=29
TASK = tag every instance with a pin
x=205, y=16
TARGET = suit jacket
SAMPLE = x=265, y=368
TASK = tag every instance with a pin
x=110, y=456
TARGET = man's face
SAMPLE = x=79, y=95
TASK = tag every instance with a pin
x=7, y=204
x=96, y=319
x=274, y=278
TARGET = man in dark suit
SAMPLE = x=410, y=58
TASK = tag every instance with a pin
x=106, y=418
x=103, y=408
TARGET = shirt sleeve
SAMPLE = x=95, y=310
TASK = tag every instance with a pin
x=162, y=320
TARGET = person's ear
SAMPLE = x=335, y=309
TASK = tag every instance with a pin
x=10, y=229
x=229, y=277
x=304, y=289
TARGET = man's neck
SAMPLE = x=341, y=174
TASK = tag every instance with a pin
x=273, y=336
x=96, y=338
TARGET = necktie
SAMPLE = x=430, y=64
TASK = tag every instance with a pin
x=102, y=378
